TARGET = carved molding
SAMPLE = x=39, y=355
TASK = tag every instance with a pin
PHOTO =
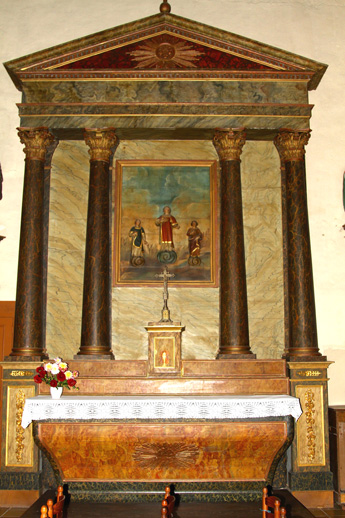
x=101, y=143
x=229, y=143
x=290, y=144
x=36, y=141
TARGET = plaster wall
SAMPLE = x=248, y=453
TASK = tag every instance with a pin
x=311, y=28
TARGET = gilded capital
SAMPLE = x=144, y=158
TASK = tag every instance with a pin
x=290, y=144
x=100, y=142
x=36, y=141
x=229, y=143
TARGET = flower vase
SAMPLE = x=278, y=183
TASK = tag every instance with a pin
x=56, y=392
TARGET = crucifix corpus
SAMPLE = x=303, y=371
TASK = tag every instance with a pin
x=165, y=275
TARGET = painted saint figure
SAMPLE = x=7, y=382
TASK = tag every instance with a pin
x=194, y=235
x=167, y=223
x=137, y=235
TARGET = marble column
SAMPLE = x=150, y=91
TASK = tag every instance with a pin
x=234, y=332
x=301, y=303
x=96, y=317
x=28, y=342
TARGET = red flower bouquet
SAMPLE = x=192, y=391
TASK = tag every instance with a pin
x=56, y=374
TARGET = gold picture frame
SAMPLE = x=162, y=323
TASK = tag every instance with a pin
x=146, y=193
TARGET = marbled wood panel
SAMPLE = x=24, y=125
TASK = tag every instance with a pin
x=166, y=91
x=164, y=451
x=167, y=122
x=66, y=248
x=261, y=195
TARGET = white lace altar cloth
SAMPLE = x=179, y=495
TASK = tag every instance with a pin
x=158, y=407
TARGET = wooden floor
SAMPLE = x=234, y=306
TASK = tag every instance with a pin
x=184, y=510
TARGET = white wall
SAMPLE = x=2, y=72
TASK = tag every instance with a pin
x=311, y=28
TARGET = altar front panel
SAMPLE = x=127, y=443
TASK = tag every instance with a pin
x=174, y=451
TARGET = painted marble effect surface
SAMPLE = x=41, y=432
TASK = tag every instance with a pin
x=66, y=247
x=158, y=452
x=157, y=104
x=198, y=308
x=166, y=91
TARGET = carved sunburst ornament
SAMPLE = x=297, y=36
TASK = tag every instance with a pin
x=165, y=55
x=165, y=455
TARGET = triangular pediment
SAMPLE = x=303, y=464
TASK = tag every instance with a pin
x=164, y=46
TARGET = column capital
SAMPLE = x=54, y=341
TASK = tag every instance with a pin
x=36, y=141
x=229, y=143
x=290, y=144
x=100, y=142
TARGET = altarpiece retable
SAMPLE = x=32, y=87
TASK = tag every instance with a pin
x=167, y=142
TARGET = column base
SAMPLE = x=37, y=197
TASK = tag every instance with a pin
x=235, y=356
x=21, y=358
x=91, y=357
x=293, y=358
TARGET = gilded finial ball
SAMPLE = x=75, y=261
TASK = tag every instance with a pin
x=165, y=7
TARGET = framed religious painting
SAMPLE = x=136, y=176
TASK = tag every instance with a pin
x=165, y=214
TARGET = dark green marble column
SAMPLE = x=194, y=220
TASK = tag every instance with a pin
x=302, y=333
x=234, y=333
x=96, y=317
x=28, y=343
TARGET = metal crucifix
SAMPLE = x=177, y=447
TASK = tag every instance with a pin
x=165, y=275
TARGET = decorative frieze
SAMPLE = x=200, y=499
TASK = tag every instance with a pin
x=20, y=374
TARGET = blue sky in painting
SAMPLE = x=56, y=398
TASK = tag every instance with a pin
x=157, y=186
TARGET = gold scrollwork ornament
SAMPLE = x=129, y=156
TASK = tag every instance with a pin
x=20, y=401
x=16, y=374
x=310, y=421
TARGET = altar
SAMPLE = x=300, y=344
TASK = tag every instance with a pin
x=110, y=448
x=166, y=143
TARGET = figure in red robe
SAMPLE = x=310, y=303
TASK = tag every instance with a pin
x=166, y=222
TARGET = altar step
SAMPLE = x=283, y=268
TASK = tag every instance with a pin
x=184, y=510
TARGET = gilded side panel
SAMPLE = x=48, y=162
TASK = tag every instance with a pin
x=310, y=426
x=19, y=442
